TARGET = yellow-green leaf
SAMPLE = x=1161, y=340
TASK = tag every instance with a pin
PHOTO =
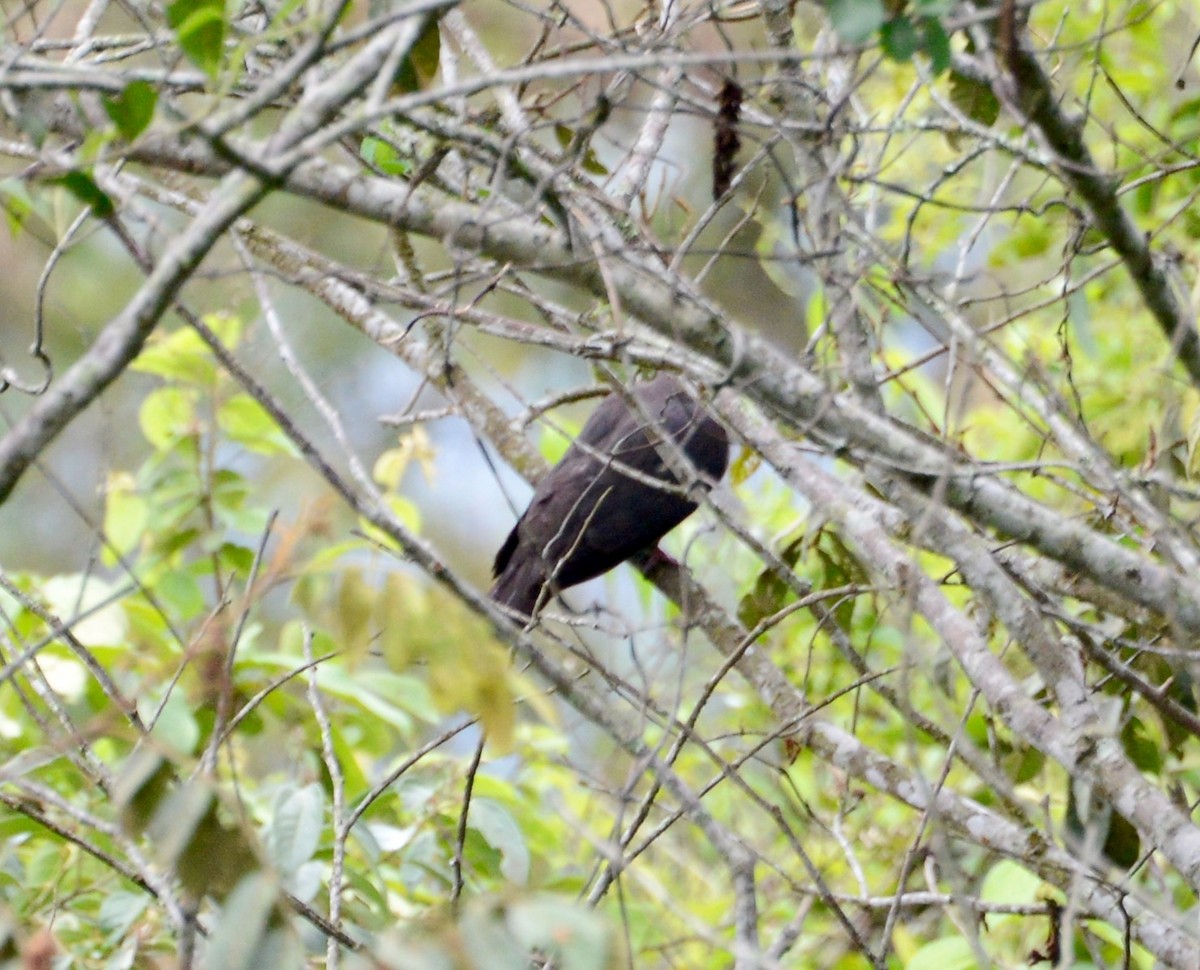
x=167, y=415
x=248, y=423
x=199, y=26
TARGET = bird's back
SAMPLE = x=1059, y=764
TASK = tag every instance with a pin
x=599, y=505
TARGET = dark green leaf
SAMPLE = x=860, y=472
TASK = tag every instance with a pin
x=133, y=109
x=141, y=787
x=1026, y=766
x=1122, y=845
x=899, y=39
x=1094, y=820
x=1143, y=751
x=936, y=44
x=84, y=188
x=592, y=165
x=767, y=597
x=417, y=70
x=974, y=99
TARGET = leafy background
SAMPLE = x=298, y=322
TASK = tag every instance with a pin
x=243, y=726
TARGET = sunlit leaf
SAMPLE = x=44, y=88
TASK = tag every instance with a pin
x=248, y=423
x=74, y=595
x=950, y=953
x=166, y=415
x=384, y=156
x=199, y=26
x=125, y=516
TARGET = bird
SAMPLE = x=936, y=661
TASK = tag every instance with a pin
x=600, y=506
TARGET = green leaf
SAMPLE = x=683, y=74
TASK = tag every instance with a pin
x=125, y=516
x=491, y=820
x=180, y=356
x=249, y=932
x=207, y=855
x=419, y=67
x=167, y=415
x=295, y=831
x=949, y=953
x=487, y=940
x=816, y=311
x=72, y=594
x=239, y=559
x=974, y=99
x=588, y=161
x=1145, y=752
x=337, y=682
x=248, y=423
x=406, y=511
x=1009, y=882
x=934, y=8
x=199, y=27
x=384, y=156
x=767, y=597
x=555, y=441
x=899, y=39
x=133, y=109
x=81, y=185
x=856, y=20
x=1025, y=765
x=141, y=787
x=176, y=726
x=119, y=911
x=935, y=42
x=180, y=591
x=355, y=611
x=16, y=203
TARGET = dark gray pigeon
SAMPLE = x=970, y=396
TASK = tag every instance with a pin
x=588, y=515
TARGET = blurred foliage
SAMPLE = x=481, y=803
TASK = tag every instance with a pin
x=255, y=652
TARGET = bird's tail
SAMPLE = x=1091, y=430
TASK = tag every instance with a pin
x=519, y=585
